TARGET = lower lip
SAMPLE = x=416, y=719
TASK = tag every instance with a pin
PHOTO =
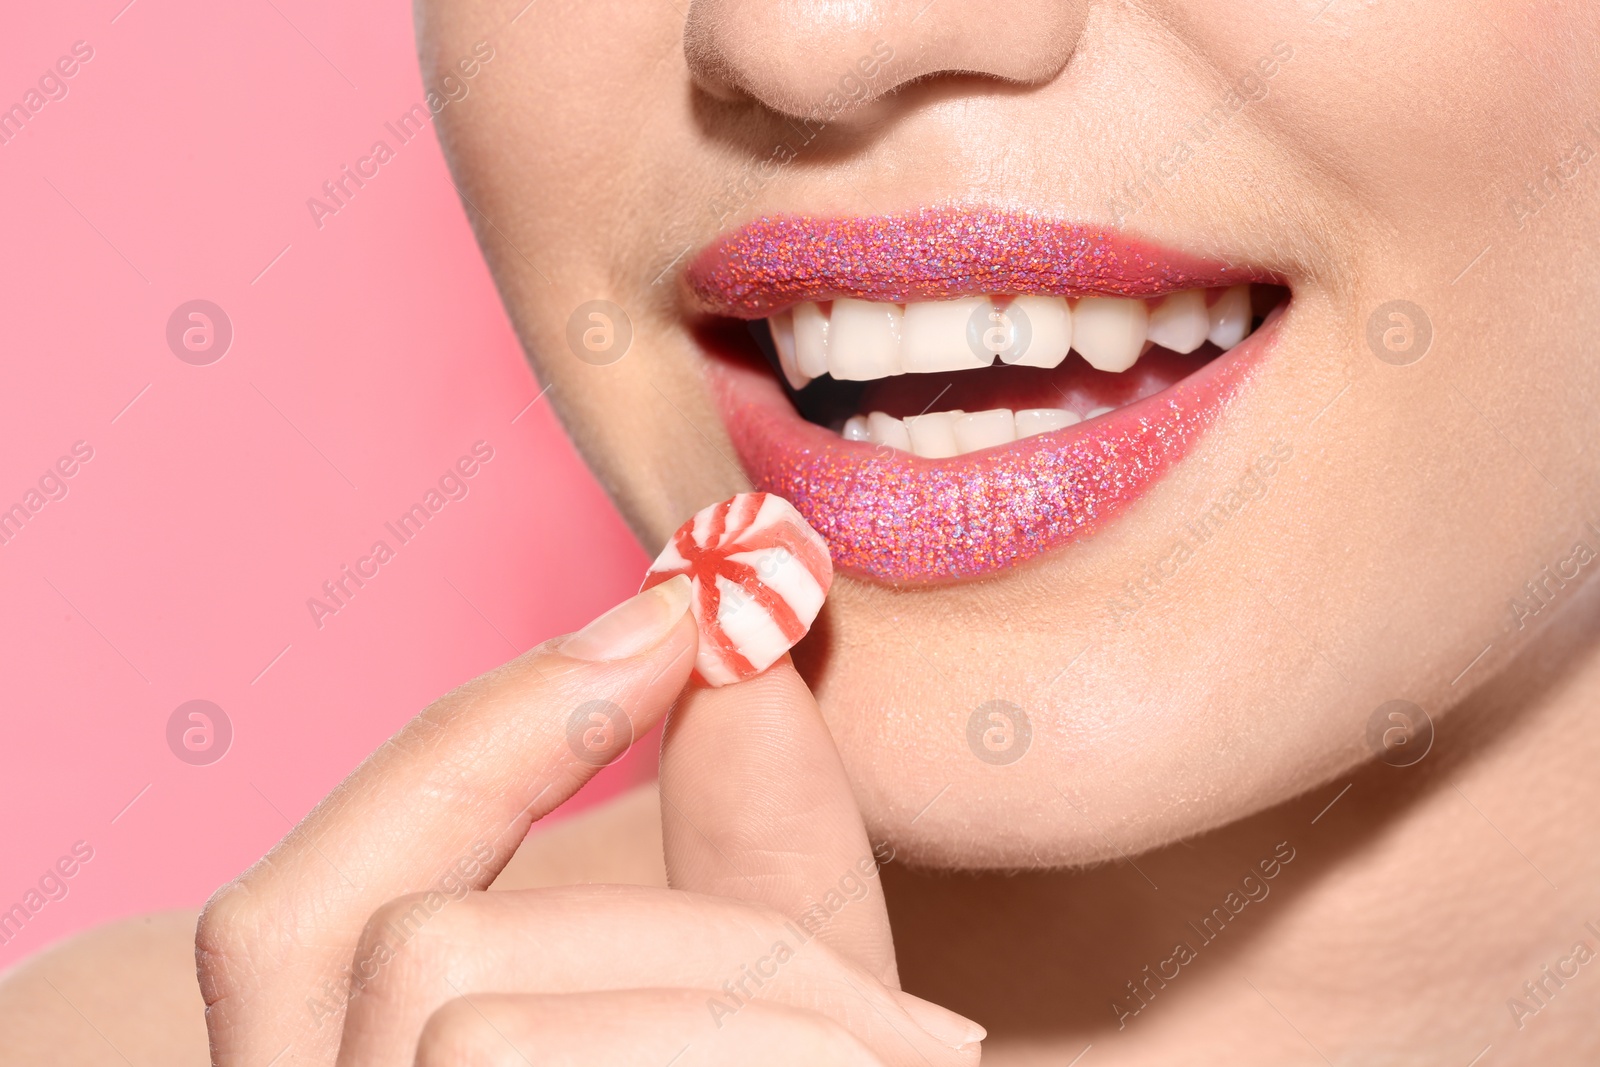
x=898, y=518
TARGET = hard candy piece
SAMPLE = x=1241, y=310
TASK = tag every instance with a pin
x=760, y=573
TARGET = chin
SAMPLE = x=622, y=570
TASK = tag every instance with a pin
x=982, y=733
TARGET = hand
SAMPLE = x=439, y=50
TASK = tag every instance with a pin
x=362, y=939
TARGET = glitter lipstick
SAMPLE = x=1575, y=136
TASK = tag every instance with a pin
x=896, y=517
x=935, y=254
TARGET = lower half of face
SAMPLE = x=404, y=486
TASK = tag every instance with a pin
x=1171, y=402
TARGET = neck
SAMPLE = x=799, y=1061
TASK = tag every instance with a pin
x=1426, y=913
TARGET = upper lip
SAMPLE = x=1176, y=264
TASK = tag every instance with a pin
x=936, y=254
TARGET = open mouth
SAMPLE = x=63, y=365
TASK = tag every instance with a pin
x=942, y=378
x=947, y=394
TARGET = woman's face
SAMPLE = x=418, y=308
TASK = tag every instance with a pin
x=1127, y=630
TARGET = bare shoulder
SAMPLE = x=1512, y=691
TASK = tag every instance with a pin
x=126, y=992
x=121, y=993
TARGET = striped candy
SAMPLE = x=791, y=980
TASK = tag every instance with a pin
x=759, y=572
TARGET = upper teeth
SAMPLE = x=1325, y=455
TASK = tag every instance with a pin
x=859, y=340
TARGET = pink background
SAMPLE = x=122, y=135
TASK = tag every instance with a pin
x=367, y=356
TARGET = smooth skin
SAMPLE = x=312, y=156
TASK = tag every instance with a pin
x=1375, y=164
x=480, y=766
x=612, y=974
x=1401, y=926
x=1426, y=151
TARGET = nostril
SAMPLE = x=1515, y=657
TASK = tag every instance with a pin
x=829, y=56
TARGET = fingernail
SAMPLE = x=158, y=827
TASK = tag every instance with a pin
x=948, y=1028
x=633, y=625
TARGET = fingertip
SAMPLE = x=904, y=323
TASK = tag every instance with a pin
x=634, y=626
x=943, y=1025
x=781, y=679
x=768, y=718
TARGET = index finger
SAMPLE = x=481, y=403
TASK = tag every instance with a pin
x=441, y=806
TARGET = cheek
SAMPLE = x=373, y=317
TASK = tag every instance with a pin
x=1390, y=98
x=596, y=162
x=643, y=424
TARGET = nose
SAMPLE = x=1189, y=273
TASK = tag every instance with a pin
x=809, y=57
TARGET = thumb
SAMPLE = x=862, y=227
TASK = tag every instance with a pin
x=755, y=805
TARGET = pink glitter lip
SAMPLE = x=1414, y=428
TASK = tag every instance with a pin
x=935, y=254
x=899, y=518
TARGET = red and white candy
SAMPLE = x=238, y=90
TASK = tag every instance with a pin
x=760, y=573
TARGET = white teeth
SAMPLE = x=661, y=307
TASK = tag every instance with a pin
x=1109, y=331
x=1049, y=330
x=864, y=340
x=934, y=337
x=1095, y=413
x=811, y=340
x=889, y=431
x=1030, y=421
x=985, y=429
x=933, y=435
x=1230, y=317
x=1180, y=321
x=782, y=327
x=942, y=434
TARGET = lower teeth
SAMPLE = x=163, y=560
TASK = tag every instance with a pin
x=942, y=434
